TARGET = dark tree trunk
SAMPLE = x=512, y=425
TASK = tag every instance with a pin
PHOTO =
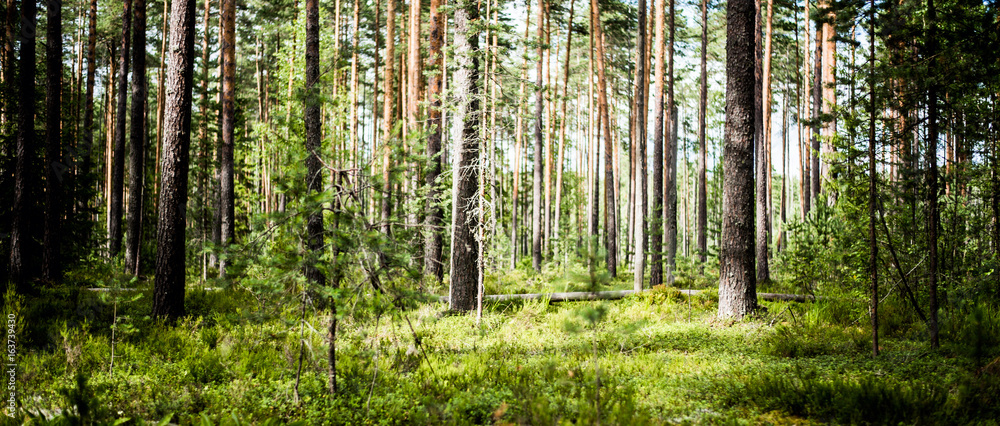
x=670, y=192
x=639, y=142
x=872, y=191
x=314, y=168
x=465, y=248
x=656, y=225
x=54, y=167
x=433, y=239
x=702, y=147
x=537, y=202
x=137, y=138
x=23, y=267
x=227, y=196
x=168, y=297
x=88, y=112
x=817, y=105
x=737, y=280
x=8, y=58
x=932, y=172
x=118, y=156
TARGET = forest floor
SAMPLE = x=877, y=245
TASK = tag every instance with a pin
x=655, y=358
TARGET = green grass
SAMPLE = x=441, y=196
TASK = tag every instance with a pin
x=660, y=358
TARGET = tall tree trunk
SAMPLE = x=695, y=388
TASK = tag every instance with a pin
x=355, y=39
x=639, y=147
x=9, y=26
x=88, y=110
x=118, y=157
x=737, y=281
x=764, y=158
x=515, y=236
x=829, y=93
x=610, y=204
x=702, y=147
x=412, y=93
x=656, y=226
x=817, y=104
x=872, y=190
x=932, y=171
x=227, y=195
x=433, y=221
x=168, y=297
x=670, y=191
x=137, y=138
x=22, y=250
x=465, y=248
x=54, y=167
x=562, y=123
x=536, y=190
x=388, y=115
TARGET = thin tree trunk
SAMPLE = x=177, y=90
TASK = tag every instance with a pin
x=118, y=157
x=872, y=190
x=737, y=281
x=227, y=195
x=610, y=206
x=639, y=143
x=702, y=147
x=137, y=138
x=562, y=123
x=536, y=191
x=932, y=173
x=354, y=109
x=670, y=191
x=817, y=104
x=88, y=110
x=388, y=115
x=433, y=221
x=168, y=298
x=764, y=159
x=656, y=226
x=829, y=93
x=465, y=248
x=54, y=167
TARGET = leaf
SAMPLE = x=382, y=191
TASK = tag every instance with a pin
x=165, y=420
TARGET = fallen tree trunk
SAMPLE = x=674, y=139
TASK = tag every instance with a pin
x=618, y=294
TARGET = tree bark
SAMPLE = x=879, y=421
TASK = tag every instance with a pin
x=88, y=110
x=54, y=166
x=737, y=281
x=536, y=191
x=433, y=239
x=702, y=146
x=872, y=190
x=22, y=248
x=388, y=115
x=639, y=148
x=817, y=104
x=610, y=204
x=932, y=171
x=562, y=124
x=656, y=226
x=137, y=139
x=118, y=157
x=764, y=158
x=168, y=298
x=227, y=195
x=670, y=192
x=465, y=248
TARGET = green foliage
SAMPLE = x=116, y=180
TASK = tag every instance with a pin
x=863, y=400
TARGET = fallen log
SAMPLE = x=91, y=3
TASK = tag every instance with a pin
x=618, y=294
